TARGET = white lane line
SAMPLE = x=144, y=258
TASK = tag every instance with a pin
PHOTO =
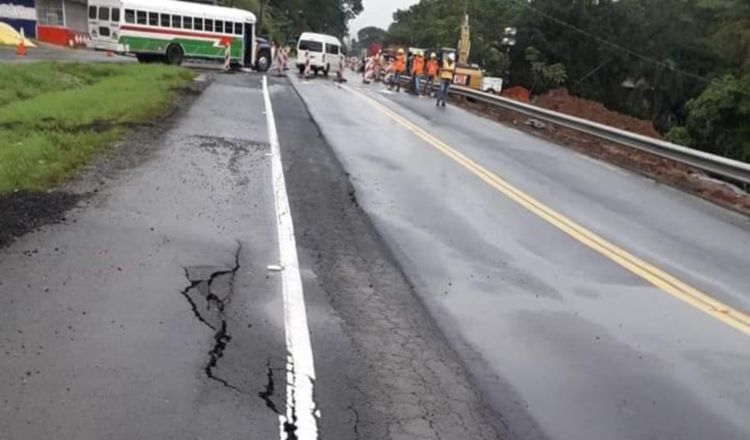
x=300, y=406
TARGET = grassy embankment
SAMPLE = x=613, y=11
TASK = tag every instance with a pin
x=55, y=116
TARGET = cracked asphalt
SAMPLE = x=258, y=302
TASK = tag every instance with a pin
x=436, y=308
x=150, y=311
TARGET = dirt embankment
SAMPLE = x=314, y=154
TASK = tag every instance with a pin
x=660, y=169
x=560, y=100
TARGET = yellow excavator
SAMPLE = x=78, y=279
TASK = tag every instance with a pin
x=468, y=75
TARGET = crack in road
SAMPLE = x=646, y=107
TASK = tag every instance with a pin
x=356, y=420
x=268, y=392
x=208, y=307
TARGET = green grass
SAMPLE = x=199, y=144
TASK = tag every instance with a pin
x=55, y=116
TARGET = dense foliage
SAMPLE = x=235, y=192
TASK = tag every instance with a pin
x=285, y=19
x=685, y=64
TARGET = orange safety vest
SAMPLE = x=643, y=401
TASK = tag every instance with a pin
x=432, y=68
x=417, y=68
x=399, y=66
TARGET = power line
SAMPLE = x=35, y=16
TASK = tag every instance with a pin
x=526, y=4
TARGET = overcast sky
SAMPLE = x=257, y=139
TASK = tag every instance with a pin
x=378, y=13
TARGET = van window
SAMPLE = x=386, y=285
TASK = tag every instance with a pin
x=130, y=16
x=116, y=15
x=312, y=46
x=153, y=19
x=104, y=14
x=141, y=17
x=332, y=49
x=92, y=12
x=187, y=22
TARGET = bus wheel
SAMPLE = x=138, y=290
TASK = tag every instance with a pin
x=175, y=55
x=264, y=61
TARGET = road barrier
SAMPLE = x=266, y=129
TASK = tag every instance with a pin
x=717, y=165
x=227, y=57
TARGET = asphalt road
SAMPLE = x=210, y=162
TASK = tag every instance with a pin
x=563, y=341
x=151, y=312
x=46, y=52
x=437, y=307
x=110, y=326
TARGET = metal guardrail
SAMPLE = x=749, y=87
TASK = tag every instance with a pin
x=710, y=163
x=720, y=166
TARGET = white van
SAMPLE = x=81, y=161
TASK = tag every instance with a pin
x=325, y=52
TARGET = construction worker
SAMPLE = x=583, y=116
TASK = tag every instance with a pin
x=432, y=73
x=417, y=70
x=446, y=78
x=399, y=66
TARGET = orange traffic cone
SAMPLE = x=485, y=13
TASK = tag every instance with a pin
x=21, y=48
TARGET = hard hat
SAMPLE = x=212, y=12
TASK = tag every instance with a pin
x=433, y=55
x=401, y=51
x=452, y=56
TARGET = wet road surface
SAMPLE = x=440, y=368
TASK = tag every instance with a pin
x=437, y=307
x=564, y=342
x=150, y=311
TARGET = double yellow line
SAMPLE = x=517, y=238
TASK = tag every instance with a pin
x=637, y=266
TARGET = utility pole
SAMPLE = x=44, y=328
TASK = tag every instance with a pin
x=509, y=40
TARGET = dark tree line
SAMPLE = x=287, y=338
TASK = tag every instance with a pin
x=286, y=19
x=684, y=64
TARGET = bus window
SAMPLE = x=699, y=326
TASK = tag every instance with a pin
x=165, y=20
x=209, y=25
x=312, y=46
x=141, y=17
x=116, y=15
x=104, y=14
x=92, y=12
x=198, y=24
x=238, y=28
x=153, y=19
x=130, y=16
x=187, y=22
x=219, y=27
x=177, y=21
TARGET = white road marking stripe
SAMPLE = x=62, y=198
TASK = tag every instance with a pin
x=300, y=406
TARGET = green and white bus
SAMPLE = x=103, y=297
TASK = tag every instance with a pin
x=170, y=31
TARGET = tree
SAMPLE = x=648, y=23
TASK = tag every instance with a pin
x=545, y=75
x=368, y=35
x=646, y=58
x=719, y=119
x=284, y=19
